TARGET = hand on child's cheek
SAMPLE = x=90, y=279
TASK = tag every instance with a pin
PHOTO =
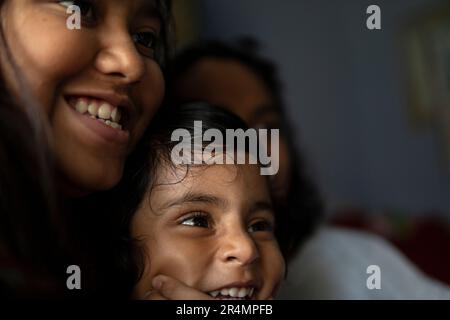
x=168, y=288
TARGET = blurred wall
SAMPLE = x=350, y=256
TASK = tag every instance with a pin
x=186, y=17
x=345, y=91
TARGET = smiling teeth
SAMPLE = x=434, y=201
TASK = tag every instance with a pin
x=92, y=108
x=103, y=112
x=116, y=115
x=233, y=292
x=82, y=106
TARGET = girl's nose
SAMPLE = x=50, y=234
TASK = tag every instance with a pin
x=238, y=247
x=119, y=57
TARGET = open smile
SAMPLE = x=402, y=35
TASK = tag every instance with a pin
x=106, y=116
x=235, y=291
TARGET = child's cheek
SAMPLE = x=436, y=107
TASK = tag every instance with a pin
x=276, y=265
x=195, y=259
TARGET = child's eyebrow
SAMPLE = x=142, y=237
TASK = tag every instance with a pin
x=195, y=197
x=262, y=206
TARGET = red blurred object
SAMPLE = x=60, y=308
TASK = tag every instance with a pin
x=424, y=239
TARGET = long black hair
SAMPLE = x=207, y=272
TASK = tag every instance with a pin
x=303, y=205
x=31, y=233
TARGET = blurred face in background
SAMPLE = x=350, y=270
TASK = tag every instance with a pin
x=234, y=86
x=98, y=86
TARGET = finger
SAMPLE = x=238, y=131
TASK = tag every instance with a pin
x=173, y=289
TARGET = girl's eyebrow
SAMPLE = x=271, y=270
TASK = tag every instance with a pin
x=262, y=206
x=196, y=197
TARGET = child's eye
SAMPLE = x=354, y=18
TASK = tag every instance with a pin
x=198, y=219
x=261, y=225
x=86, y=7
x=145, y=39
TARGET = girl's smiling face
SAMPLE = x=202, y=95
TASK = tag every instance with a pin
x=211, y=229
x=107, y=70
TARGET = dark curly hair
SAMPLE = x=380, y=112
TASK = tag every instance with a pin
x=140, y=172
x=303, y=205
x=31, y=230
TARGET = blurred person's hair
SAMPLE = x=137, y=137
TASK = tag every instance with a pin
x=303, y=206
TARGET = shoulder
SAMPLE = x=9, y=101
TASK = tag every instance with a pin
x=337, y=244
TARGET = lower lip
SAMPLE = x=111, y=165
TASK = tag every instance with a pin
x=117, y=136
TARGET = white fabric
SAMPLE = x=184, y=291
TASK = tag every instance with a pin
x=333, y=265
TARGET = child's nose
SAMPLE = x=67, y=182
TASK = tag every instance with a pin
x=119, y=57
x=238, y=247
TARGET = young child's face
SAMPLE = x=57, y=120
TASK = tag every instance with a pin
x=108, y=62
x=212, y=230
